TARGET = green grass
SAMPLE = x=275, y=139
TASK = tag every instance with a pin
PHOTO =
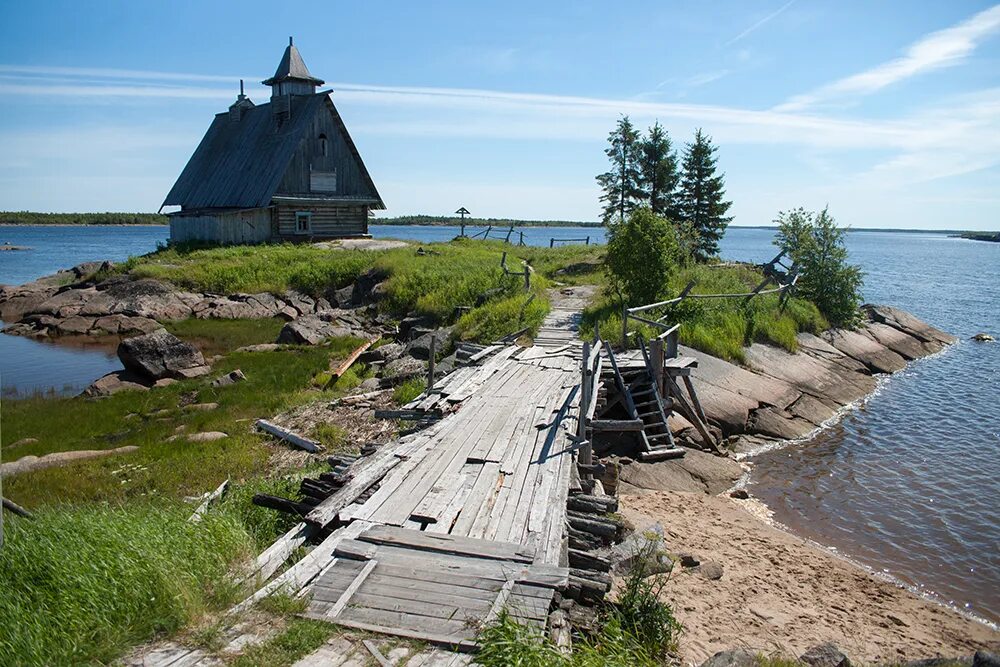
x=437, y=283
x=299, y=638
x=222, y=336
x=638, y=630
x=261, y=268
x=408, y=390
x=275, y=381
x=82, y=584
x=720, y=327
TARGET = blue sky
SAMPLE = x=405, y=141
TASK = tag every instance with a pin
x=889, y=112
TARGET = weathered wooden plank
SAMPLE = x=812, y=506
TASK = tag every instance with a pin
x=294, y=578
x=456, y=638
x=499, y=603
x=351, y=589
x=209, y=499
x=481, y=585
x=272, y=558
x=351, y=358
x=448, y=544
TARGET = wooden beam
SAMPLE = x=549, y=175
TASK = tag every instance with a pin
x=617, y=425
x=310, y=446
x=345, y=597
x=335, y=373
x=209, y=499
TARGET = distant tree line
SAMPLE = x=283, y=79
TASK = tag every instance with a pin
x=646, y=172
x=435, y=220
x=31, y=218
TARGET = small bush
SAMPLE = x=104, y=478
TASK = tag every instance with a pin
x=642, y=255
x=816, y=244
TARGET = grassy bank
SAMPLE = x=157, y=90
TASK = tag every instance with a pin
x=720, y=327
x=448, y=276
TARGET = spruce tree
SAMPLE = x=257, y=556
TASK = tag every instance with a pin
x=701, y=196
x=658, y=175
x=620, y=186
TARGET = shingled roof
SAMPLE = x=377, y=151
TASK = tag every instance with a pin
x=292, y=67
x=241, y=164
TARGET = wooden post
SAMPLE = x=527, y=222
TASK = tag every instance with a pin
x=624, y=326
x=552, y=242
x=597, y=332
x=463, y=227
x=430, y=363
x=656, y=359
x=671, y=351
x=527, y=278
x=586, y=451
x=522, y=238
x=588, y=240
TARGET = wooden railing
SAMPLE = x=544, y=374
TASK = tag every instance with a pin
x=526, y=272
x=590, y=382
x=497, y=234
x=585, y=241
x=669, y=334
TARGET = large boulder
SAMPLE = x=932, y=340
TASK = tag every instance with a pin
x=66, y=303
x=124, y=325
x=160, y=355
x=143, y=298
x=825, y=655
x=697, y=472
x=112, y=383
x=737, y=657
x=314, y=329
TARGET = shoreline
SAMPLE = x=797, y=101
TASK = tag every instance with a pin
x=781, y=593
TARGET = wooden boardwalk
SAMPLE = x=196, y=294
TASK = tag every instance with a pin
x=468, y=516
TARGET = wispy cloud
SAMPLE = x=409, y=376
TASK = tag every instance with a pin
x=944, y=48
x=759, y=24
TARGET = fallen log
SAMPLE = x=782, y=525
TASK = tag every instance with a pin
x=285, y=505
x=11, y=506
x=294, y=439
x=336, y=479
x=617, y=425
x=584, y=560
x=603, y=528
x=583, y=541
x=592, y=504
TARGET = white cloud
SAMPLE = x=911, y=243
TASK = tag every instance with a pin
x=761, y=23
x=944, y=48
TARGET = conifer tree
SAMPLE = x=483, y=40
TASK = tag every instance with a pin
x=658, y=176
x=702, y=193
x=620, y=185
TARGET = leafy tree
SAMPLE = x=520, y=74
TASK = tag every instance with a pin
x=642, y=255
x=701, y=196
x=816, y=245
x=621, y=191
x=658, y=175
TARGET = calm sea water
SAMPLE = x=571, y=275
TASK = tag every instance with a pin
x=908, y=483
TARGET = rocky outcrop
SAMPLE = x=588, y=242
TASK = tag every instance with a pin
x=31, y=463
x=315, y=329
x=116, y=382
x=696, y=472
x=784, y=395
x=160, y=355
x=121, y=306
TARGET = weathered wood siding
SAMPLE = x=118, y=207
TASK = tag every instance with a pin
x=327, y=221
x=339, y=158
x=250, y=226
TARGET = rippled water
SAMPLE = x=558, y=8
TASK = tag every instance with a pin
x=908, y=483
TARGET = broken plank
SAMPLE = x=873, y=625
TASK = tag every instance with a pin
x=345, y=597
x=335, y=373
x=209, y=499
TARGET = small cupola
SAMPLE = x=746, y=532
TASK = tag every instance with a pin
x=237, y=108
x=292, y=76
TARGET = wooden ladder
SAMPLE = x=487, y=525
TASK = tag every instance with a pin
x=643, y=401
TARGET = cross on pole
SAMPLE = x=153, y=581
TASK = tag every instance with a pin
x=463, y=212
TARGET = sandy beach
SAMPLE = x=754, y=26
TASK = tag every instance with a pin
x=780, y=595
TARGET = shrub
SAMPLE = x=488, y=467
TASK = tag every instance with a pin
x=642, y=255
x=816, y=244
